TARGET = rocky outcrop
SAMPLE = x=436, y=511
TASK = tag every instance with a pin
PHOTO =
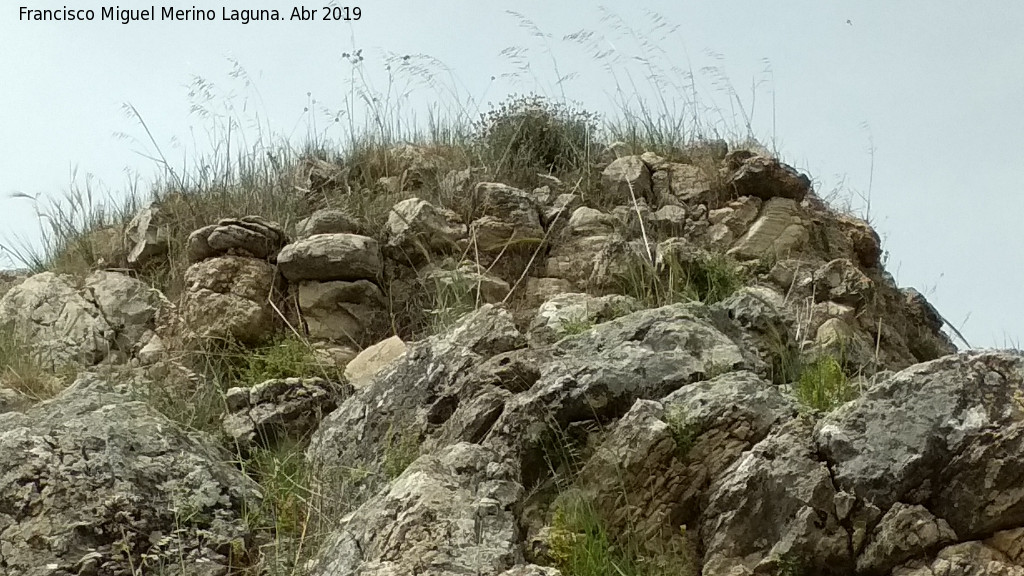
x=108, y=316
x=93, y=482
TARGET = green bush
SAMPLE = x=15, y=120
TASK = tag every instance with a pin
x=525, y=135
x=684, y=433
x=581, y=546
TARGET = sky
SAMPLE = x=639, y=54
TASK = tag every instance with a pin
x=915, y=105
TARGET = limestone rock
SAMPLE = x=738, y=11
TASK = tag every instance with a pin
x=841, y=281
x=627, y=178
x=905, y=532
x=586, y=221
x=965, y=559
x=92, y=481
x=342, y=311
x=106, y=317
x=573, y=313
x=250, y=236
x=147, y=236
x=327, y=257
x=368, y=363
x=590, y=262
x=449, y=513
x=768, y=178
x=777, y=232
x=507, y=217
x=417, y=229
x=327, y=221
x=954, y=418
x=741, y=530
x=276, y=410
x=228, y=297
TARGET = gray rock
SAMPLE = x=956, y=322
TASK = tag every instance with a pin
x=592, y=263
x=507, y=216
x=841, y=281
x=326, y=257
x=147, y=236
x=417, y=229
x=327, y=221
x=250, y=236
x=94, y=481
x=348, y=312
x=587, y=221
x=627, y=178
x=965, y=559
x=905, y=532
x=278, y=409
x=466, y=279
x=572, y=313
x=777, y=232
x=774, y=505
x=82, y=323
x=953, y=419
x=449, y=513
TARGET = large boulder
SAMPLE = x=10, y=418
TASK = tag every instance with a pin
x=108, y=316
x=449, y=513
x=627, y=179
x=231, y=297
x=326, y=257
x=777, y=232
x=93, y=482
x=946, y=434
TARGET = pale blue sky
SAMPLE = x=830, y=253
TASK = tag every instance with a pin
x=936, y=87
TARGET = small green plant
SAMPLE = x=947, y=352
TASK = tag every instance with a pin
x=401, y=448
x=287, y=357
x=706, y=278
x=576, y=325
x=525, y=135
x=683, y=432
x=283, y=477
x=823, y=384
x=581, y=546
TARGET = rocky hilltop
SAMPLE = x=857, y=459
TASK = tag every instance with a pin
x=685, y=364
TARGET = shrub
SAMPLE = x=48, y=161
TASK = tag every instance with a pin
x=823, y=385
x=525, y=135
x=401, y=448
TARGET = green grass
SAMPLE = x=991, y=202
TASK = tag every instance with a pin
x=706, y=278
x=287, y=357
x=823, y=384
x=401, y=448
x=581, y=546
x=20, y=371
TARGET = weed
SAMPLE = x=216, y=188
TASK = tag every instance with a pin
x=683, y=432
x=401, y=448
x=20, y=371
x=823, y=384
x=581, y=546
x=576, y=325
x=288, y=357
x=706, y=278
